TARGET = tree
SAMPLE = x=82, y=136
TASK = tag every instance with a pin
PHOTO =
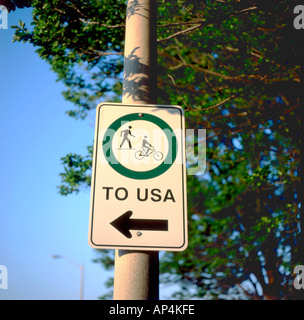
x=234, y=67
x=12, y=5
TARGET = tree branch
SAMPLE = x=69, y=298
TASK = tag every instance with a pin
x=218, y=104
x=178, y=23
x=181, y=32
x=205, y=23
x=101, y=53
x=86, y=17
x=102, y=24
x=173, y=81
x=197, y=68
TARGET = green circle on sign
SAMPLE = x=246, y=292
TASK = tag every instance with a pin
x=140, y=175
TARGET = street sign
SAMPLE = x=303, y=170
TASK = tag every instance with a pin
x=138, y=194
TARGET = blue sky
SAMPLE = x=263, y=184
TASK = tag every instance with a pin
x=35, y=221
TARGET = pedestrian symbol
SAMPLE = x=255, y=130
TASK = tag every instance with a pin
x=126, y=133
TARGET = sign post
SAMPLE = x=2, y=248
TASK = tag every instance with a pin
x=137, y=207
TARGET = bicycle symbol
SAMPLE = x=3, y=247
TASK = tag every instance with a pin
x=141, y=154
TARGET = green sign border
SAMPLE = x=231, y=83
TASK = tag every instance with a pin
x=140, y=175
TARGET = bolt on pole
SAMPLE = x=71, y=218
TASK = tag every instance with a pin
x=136, y=275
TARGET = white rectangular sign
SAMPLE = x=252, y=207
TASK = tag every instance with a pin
x=138, y=195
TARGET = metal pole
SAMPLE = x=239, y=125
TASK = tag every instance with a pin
x=140, y=64
x=81, y=297
x=136, y=275
x=81, y=267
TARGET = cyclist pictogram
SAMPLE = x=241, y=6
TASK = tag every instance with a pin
x=147, y=150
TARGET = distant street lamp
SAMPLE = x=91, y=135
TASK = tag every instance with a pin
x=81, y=267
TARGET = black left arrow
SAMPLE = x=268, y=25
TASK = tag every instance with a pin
x=124, y=224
